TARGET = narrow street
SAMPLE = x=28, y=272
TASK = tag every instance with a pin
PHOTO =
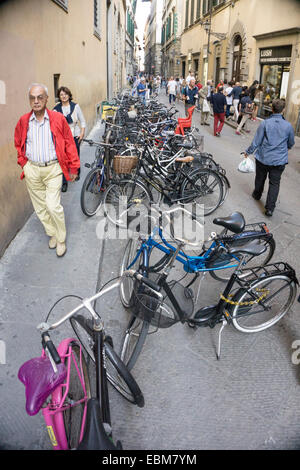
x=247, y=400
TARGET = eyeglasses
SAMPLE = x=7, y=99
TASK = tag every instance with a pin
x=38, y=98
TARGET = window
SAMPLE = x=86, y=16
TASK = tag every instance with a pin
x=97, y=30
x=192, y=12
x=56, y=85
x=205, y=7
x=62, y=3
x=198, y=9
x=187, y=13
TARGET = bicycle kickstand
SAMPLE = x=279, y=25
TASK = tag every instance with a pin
x=224, y=323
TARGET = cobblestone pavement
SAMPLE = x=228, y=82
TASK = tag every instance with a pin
x=247, y=400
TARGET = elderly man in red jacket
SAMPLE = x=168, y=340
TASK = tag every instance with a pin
x=46, y=150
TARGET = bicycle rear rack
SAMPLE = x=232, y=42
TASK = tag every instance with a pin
x=260, y=272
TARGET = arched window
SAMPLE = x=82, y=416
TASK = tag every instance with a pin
x=237, y=58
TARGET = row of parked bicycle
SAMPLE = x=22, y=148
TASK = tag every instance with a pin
x=149, y=157
x=257, y=294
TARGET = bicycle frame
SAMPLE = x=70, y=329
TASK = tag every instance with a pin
x=53, y=412
x=191, y=264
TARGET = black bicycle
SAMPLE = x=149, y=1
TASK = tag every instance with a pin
x=254, y=299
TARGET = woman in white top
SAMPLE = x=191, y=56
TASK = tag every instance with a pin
x=75, y=119
x=229, y=98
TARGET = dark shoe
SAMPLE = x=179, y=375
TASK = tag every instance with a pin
x=268, y=213
x=206, y=124
x=217, y=134
x=257, y=198
x=64, y=187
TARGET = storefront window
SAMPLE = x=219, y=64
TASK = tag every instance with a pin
x=274, y=79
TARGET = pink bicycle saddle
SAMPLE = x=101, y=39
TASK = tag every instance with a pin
x=40, y=381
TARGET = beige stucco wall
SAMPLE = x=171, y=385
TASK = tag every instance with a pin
x=39, y=39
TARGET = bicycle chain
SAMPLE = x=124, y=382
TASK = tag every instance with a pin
x=250, y=302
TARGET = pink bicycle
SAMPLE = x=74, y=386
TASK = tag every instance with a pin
x=58, y=382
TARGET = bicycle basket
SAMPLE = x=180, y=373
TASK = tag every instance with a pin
x=124, y=164
x=160, y=313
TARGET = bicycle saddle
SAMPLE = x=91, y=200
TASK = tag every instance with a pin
x=95, y=437
x=40, y=381
x=186, y=145
x=234, y=222
x=254, y=248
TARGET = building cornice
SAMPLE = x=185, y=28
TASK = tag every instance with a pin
x=282, y=32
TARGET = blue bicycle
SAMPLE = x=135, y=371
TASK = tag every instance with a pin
x=237, y=254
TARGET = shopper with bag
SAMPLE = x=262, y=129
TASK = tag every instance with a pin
x=273, y=139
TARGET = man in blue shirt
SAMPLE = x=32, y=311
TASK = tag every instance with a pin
x=141, y=90
x=273, y=139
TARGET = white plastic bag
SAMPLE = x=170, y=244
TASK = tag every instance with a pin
x=246, y=166
x=205, y=108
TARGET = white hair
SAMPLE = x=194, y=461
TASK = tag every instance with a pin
x=40, y=85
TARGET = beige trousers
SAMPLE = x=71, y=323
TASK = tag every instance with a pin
x=44, y=187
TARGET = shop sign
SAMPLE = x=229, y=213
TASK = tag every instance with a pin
x=276, y=54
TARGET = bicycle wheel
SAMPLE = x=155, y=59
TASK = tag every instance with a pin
x=126, y=285
x=204, y=187
x=250, y=262
x=117, y=374
x=92, y=191
x=278, y=293
x=73, y=411
x=133, y=340
x=121, y=379
x=124, y=200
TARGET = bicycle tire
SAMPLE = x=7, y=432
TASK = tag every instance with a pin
x=73, y=415
x=92, y=191
x=126, y=284
x=242, y=316
x=117, y=373
x=133, y=341
x=260, y=260
x=204, y=187
x=135, y=192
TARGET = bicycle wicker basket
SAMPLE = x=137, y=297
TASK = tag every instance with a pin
x=159, y=313
x=124, y=164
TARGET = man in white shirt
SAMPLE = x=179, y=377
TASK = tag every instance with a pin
x=172, y=85
x=189, y=77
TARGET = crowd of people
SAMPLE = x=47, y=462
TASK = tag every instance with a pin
x=228, y=100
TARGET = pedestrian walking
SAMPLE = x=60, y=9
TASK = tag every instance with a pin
x=172, y=87
x=218, y=101
x=204, y=104
x=229, y=99
x=237, y=90
x=190, y=95
x=273, y=138
x=141, y=90
x=46, y=150
x=246, y=108
x=189, y=77
x=75, y=119
x=199, y=86
x=258, y=100
x=178, y=88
